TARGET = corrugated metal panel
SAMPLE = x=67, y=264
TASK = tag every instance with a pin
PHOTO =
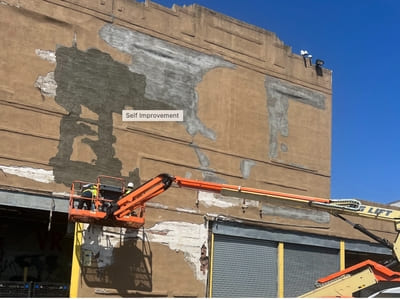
x=244, y=267
x=304, y=265
x=277, y=235
x=293, y=237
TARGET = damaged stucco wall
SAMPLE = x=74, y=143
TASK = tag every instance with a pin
x=245, y=97
x=177, y=236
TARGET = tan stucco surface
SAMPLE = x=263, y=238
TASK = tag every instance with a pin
x=254, y=116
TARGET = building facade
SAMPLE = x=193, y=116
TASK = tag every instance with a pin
x=254, y=114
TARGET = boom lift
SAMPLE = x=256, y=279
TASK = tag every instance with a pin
x=112, y=207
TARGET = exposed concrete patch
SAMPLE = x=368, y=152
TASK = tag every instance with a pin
x=296, y=213
x=278, y=95
x=172, y=72
x=211, y=199
x=245, y=167
x=47, y=55
x=39, y=175
x=178, y=236
x=47, y=85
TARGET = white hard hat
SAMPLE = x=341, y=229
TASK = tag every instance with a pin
x=130, y=185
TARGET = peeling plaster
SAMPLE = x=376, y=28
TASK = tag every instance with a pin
x=47, y=55
x=211, y=199
x=172, y=72
x=178, y=236
x=39, y=175
x=47, y=85
x=182, y=236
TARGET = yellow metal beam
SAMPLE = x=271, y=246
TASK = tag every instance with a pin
x=210, y=282
x=342, y=254
x=76, y=253
x=281, y=271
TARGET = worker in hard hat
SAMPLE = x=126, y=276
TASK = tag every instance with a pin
x=89, y=193
x=129, y=188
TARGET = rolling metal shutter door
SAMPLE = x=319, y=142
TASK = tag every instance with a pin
x=244, y=267
x=304, y=265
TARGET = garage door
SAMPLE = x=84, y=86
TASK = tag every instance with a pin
x=299, y=260
x=244, y=267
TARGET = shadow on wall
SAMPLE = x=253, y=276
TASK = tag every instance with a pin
x=130, y=267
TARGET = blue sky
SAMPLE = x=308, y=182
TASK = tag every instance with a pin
x=359, y=41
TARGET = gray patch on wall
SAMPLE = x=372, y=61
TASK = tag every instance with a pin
x=296, y=213
x=94, y=80
x=172, y=72
x=278, y=95
x=203, y=159
x=207, y=173
x=245, y=167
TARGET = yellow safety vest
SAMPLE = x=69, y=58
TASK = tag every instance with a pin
x=128, y=190
x=93, y=190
